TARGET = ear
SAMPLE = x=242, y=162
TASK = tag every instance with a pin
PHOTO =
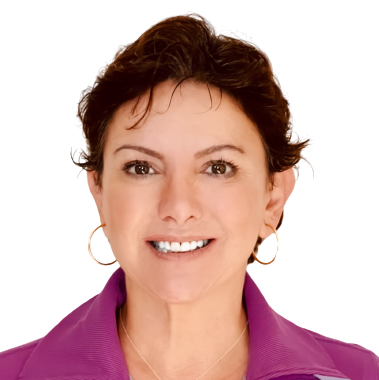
x=284, y=185
x=96, y=193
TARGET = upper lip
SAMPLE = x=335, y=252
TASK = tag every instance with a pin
x=179, y=239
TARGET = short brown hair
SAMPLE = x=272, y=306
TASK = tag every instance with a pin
x=187, y=47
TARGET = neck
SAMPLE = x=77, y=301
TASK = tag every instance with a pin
x=183, y=340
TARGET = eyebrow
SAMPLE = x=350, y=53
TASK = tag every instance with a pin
x=199, y=154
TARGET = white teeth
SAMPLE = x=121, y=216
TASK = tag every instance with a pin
x=165, y=246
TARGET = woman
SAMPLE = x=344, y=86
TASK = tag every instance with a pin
x=190, y=164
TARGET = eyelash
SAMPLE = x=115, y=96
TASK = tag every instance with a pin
x=230, y=163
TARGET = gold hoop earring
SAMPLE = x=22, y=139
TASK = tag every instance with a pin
x=277, y=239
x=89, y=246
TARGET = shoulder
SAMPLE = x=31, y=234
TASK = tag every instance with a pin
x=355, y=361
x=12, y=360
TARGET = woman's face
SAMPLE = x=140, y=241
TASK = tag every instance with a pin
x=175, y=193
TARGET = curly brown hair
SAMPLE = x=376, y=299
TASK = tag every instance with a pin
x=181, y=48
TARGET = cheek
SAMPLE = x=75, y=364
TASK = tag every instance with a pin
x=240, y=211
x=120, y=207
x=125, y=210
x=245, y=216
x=242, y=198
x=127, y=214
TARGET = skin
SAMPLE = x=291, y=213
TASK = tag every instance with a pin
x=183, y=314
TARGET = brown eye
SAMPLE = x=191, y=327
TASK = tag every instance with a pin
x=218, y=168
x=138, y=168
x=143, y=168
x=221, y=168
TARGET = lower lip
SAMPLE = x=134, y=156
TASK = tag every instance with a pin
x=181, y=255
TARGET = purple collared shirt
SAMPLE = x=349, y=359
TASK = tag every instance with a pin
x=85, y=346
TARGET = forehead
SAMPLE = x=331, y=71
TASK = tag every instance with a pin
x=194, y=113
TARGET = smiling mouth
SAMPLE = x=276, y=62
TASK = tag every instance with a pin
x=165, y=250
